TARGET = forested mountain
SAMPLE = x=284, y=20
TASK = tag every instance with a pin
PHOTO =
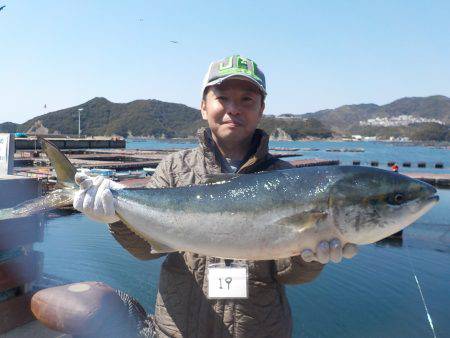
x=428, y=119
x=348, y=117
x=151, y=118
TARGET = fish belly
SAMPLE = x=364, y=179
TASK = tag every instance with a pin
x=226, y=235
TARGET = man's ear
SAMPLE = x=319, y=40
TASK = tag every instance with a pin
x=203, y=110
x=263, y=106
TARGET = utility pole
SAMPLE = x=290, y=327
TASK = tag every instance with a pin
x=79, y=122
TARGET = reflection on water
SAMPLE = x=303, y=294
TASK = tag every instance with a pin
x=372, y=295
x=390, y=242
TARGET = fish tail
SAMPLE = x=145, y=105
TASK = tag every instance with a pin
x=54, y=200
x=65, y=175
x=6, y=213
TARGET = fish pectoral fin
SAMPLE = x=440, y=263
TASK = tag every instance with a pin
x=219, y=178
x=306, y=218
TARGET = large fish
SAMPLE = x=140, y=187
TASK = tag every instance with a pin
x=260, y=216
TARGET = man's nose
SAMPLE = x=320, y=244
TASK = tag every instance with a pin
x=233, y=108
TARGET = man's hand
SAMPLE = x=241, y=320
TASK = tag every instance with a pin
x=95, y=198
x=330, y=251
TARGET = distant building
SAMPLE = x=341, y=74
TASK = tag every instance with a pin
x=370, y=138
x=401, y=120
x=290, y=117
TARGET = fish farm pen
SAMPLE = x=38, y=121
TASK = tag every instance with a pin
x=125, y=164
x=21, y=266
x=67, y=142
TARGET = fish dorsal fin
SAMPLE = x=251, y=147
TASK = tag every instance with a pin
x=65, y=171
x=157, y=247
x=306, y=218
x=220, y=178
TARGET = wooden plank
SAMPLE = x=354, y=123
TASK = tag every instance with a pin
x=313, y=162
x=15, y=312
x=70, y=143
x=21, y=270
x=135, y=182
x=438, y=180
x=116, y=165
x=20, y=231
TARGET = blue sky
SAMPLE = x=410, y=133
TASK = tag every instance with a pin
x=315, y=54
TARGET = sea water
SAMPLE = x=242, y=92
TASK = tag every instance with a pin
x=375, y=294
x=344, y=151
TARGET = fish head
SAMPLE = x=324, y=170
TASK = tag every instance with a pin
x=369, y=204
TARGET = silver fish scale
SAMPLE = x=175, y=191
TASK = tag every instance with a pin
x=255, y=192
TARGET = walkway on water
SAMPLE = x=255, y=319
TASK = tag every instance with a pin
x=132, y=159
x=438, y=180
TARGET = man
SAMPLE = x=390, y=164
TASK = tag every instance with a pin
x=233, y=102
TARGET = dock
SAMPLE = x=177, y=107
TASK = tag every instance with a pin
x=34, y=163
x=62, y=142
x=313, y=162
x=437, y=180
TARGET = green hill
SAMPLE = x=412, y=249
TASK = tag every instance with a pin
x=8, y=127
x=153, y=118
x=150, y=118
x=347, y=118
x=141, y=117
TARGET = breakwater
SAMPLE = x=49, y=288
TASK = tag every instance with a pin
x=31, y=143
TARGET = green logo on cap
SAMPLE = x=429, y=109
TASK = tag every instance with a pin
x=242, y=65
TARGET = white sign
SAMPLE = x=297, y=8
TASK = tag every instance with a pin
x=6, y=154
x=227, y=282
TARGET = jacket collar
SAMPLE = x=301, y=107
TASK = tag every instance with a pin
x=259, y=150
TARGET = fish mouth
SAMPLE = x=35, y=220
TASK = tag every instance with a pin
x=433, y=199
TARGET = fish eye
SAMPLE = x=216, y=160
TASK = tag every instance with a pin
x=397, y=198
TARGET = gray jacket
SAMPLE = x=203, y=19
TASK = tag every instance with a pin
x=182, y=307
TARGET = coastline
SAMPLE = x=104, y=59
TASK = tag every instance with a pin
x=192, y=139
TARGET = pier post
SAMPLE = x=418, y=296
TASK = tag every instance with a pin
x=6, y=154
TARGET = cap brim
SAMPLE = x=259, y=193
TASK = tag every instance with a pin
x=242, y=77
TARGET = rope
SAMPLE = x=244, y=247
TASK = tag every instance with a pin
x=430, y=321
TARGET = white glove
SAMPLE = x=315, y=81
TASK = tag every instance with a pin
x=330, y=251
x=95, y=198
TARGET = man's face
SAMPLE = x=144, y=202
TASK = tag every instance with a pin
x=233, y=110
